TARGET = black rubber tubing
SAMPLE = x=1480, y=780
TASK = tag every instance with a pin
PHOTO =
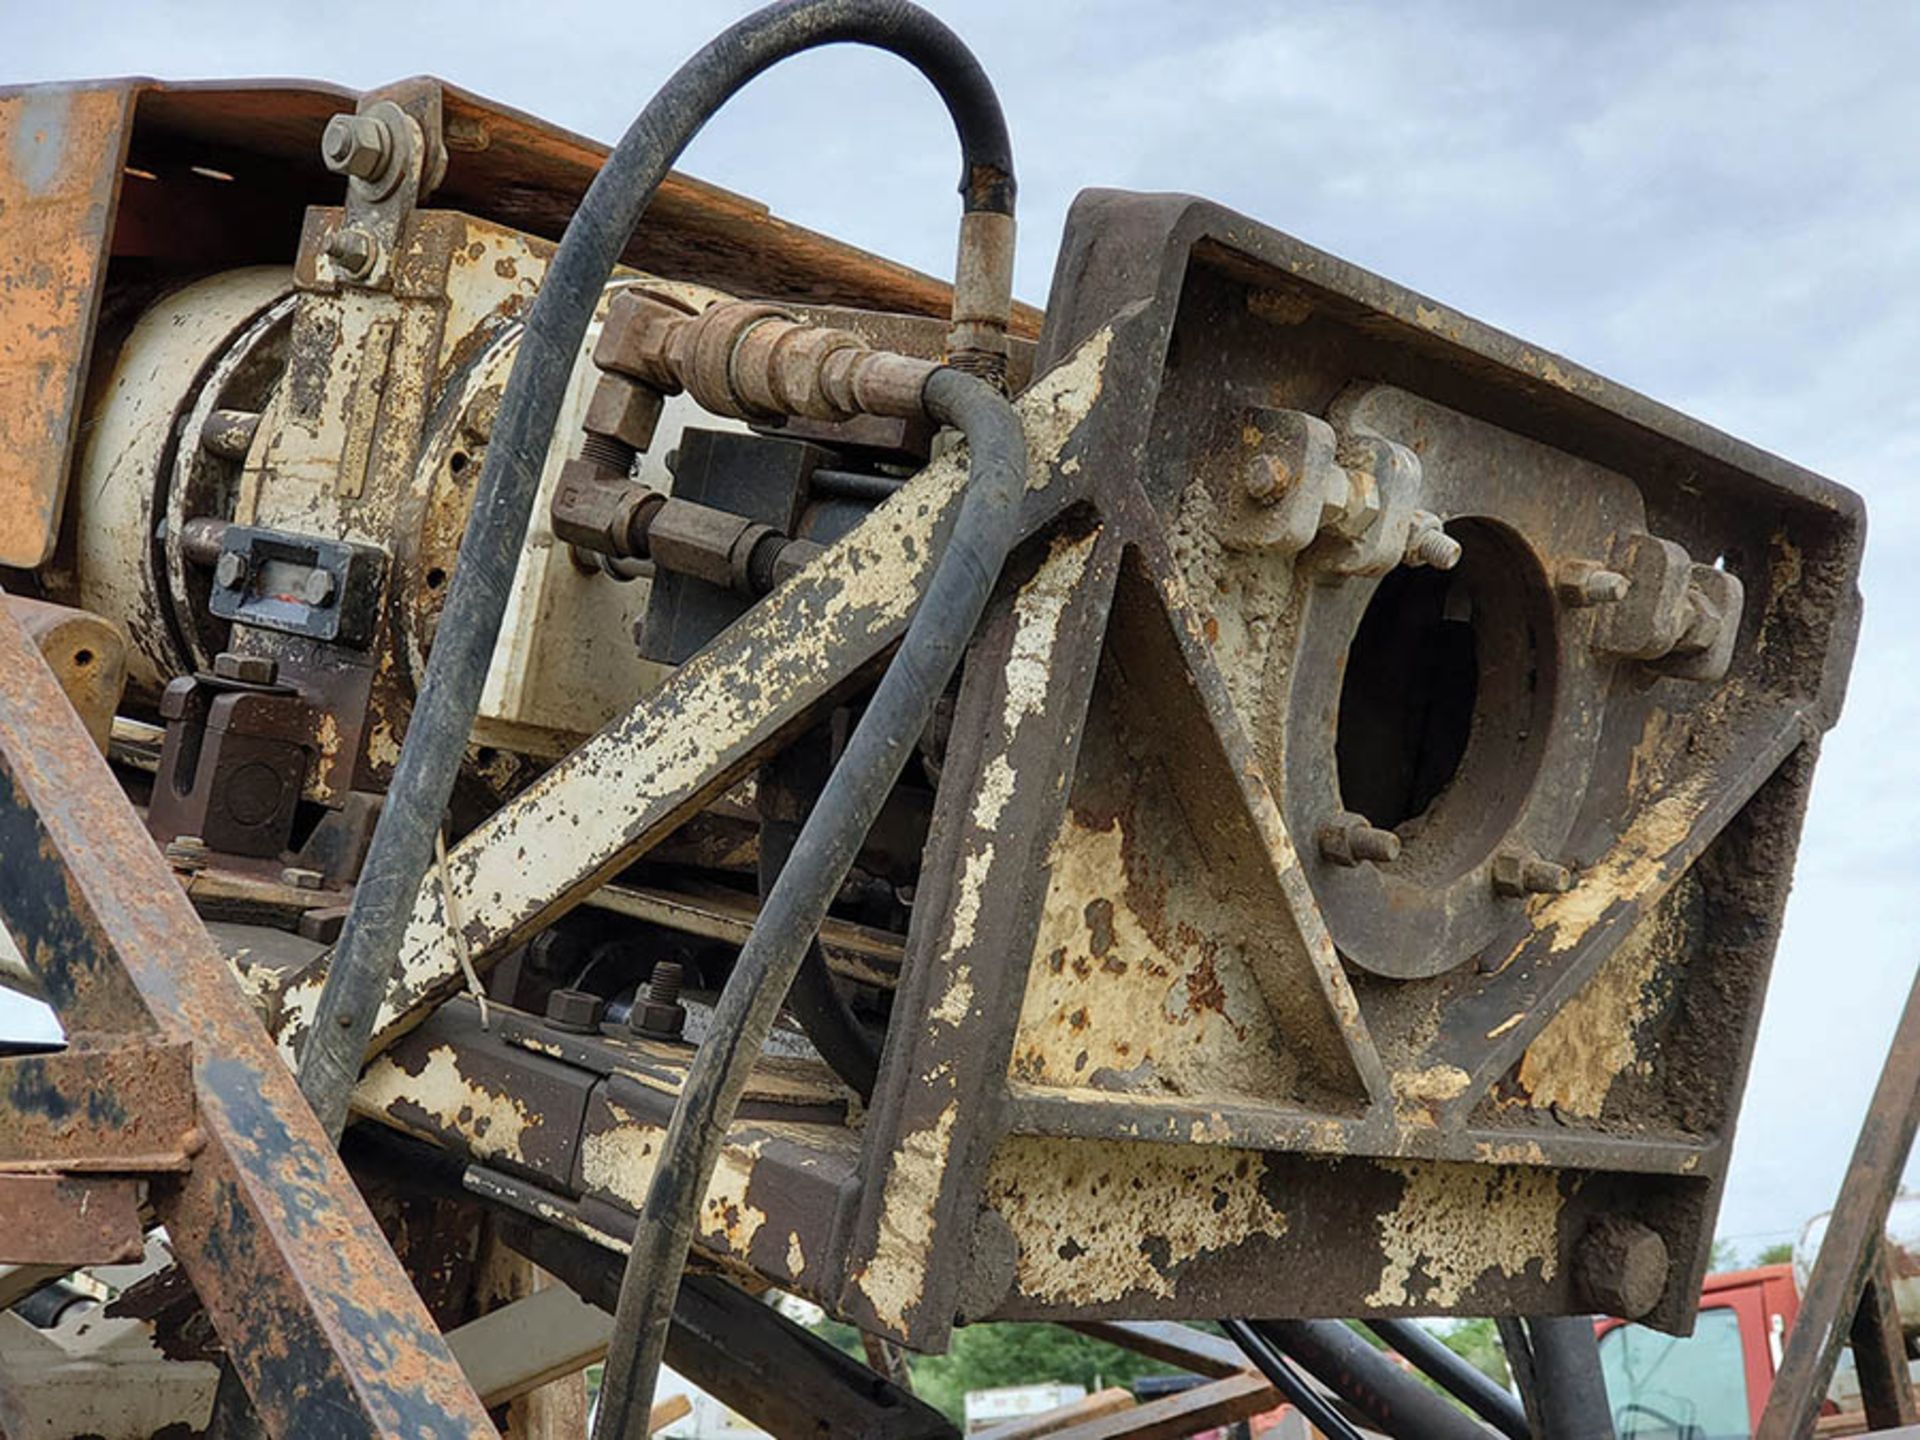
x=1456, y=1375
x=957, y=594
x=403, y=840
x=1392, y=1400
x=1314, y=1407
x=1568, y=1384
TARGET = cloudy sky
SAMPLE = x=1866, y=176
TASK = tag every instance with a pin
x=1715, y=202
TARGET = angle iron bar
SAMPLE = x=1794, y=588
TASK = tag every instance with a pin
x=1840, y=1273
x=298, y=1281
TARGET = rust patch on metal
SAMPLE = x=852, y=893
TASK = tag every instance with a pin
x=60, y=155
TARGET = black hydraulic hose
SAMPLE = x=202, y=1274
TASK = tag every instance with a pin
x=1389, y=1398
x=1312, y=1405
x=403, y=840
x=788, y=789
x=1568, y=1385
x=825, y=850
x=1458, y=1377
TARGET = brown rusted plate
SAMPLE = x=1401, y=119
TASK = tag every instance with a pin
x=60, y=153
x=322, y=1324
x=121, y=1108
x=61, y=1220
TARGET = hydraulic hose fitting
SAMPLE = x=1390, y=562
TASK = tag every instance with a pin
x=982, y=296
x=755, y=361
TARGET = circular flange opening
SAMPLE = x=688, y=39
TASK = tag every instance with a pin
x=1446, y=699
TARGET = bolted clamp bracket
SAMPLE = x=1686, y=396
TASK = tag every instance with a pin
x=382, y=152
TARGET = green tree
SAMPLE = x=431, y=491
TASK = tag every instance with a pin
x=1778, y=1254
x=982, y=1357
x=1478, y=1343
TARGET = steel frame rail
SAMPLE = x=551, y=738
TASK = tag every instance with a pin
x=323, y=1326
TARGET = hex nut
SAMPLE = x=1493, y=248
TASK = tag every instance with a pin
x=1357, y=513
x=625, y=410
x=230, y=569
x=1620, y=1268
x=246, y=669
x=357, y=145
x=353, y=251
x=657, y=1022
x=578, y=1012
x=641, y=329
x=301, y=879
x=657, y=1011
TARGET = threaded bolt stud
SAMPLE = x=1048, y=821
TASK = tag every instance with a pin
x=1583, y=583
x=1349, y=840
x=1428, y=544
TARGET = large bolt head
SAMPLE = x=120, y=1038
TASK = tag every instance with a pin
x=246, y=669
x=357, y=145
x=1620, y=1268
x=230, y=569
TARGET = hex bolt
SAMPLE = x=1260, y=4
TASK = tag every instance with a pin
x=1517, y=873
x=353, y=251
x=357, y=145
x=230, y=569
x=1430, y=545
x=318, y=586
x=1347, y=840
x=659, y=1014
x=578, y=1012
x=246, y=669
x=1268, y=478
x=1582, y=583
x=301, y=879
x=1620, y=1268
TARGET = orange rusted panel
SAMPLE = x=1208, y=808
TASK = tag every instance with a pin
x=60, y=159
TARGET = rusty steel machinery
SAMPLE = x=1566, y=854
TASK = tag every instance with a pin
x=1316, y=852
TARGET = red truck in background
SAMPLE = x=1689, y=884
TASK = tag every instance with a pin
x=1714, y=1383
